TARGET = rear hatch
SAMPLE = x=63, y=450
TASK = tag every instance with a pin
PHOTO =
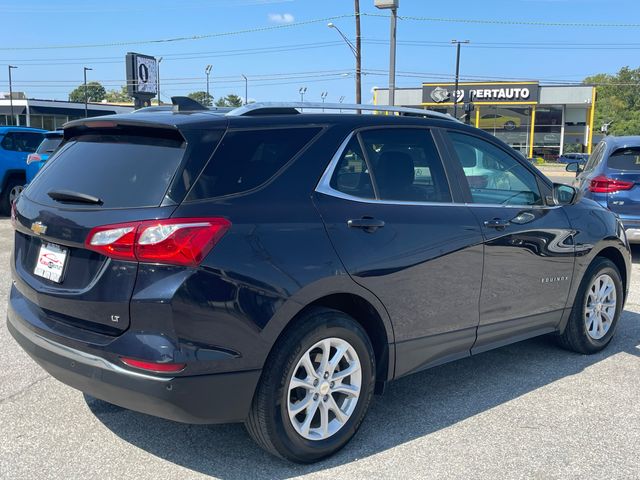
x=623, y=172
x=104, y=174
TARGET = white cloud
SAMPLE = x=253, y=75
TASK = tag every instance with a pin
x=281, y=18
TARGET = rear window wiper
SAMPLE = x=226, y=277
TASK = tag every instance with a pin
x=73, y=197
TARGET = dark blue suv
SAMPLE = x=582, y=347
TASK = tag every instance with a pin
x=611, y=177
x=276, y=268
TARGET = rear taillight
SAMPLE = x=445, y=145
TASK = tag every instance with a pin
x=602, y=184
x=176, y=241
x=153, y=366
x=32, y=158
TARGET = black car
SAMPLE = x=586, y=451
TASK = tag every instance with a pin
x=277, y=268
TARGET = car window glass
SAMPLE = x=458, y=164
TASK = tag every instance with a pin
x=246, y=159
x=28, y=142
x=625, y=159
x=49, y=144
x=351, y=175
x=494, y=176
x=8, y=142
x=406, y=165
x=595, y=157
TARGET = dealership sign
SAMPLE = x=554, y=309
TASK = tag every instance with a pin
x=142, y=78
x=491, y=92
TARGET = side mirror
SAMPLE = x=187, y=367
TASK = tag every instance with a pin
x=564, y=194
x=574, y=167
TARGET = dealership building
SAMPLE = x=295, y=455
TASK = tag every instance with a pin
x=537, y=120
x=50, y=114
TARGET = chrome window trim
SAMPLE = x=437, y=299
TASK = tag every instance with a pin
x=324, y=187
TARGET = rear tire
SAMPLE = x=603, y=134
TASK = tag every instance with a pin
x=596, y=309
x=12, y=189
x=305, y=414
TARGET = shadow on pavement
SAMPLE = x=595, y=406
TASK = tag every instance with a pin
x=412, y=407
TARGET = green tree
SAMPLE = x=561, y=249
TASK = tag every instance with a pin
x=202, y=97
x=118, y=96
x=618, y=101
x=95, y=93
x=230, y=100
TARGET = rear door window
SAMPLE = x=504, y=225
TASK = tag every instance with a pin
x=625, y=159
x=351, y=175
x=123, y=171
x=247, y=159
x=406, y=165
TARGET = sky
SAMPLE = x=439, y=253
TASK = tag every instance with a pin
x=282, y=45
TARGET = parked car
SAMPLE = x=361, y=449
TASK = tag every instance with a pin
x=580, y=158
x=36, y=161
x=277, y=268
x=15, y=144
x=611, y=177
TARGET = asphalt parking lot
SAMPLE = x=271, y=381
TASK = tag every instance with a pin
x=529, y=410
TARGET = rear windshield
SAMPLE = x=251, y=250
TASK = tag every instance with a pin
x=247, y=159
x=49, y=144
x=123, y=171
x=625, y=159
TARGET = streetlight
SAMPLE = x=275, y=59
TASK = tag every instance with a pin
x=207, y=70
x=86, y=98
x=11, y=93
x=302, y=91
x=246, y=88
x=158, y=79
x=323, y=95
x=356, y=53
x=340, y=101
x=393, y=6
x=455, y=92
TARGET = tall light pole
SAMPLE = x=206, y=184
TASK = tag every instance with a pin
x=455, y=91
x=302, y=91
x=393, y=6
x=340, y=101
x=323, y=95
x=246, y=88
x=355, y=49
x=158, y=79
x=86, y=97
x=207, y=70
x=11, y=93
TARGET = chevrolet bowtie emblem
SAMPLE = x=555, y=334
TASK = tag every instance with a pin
x=38, y=228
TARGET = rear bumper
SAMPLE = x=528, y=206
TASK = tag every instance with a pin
x=217, y=398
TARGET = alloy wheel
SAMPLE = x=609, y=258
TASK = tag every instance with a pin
x=14, y=192
x=324, y=389
x=600, y=306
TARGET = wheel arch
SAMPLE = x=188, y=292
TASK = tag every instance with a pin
x=613, y=254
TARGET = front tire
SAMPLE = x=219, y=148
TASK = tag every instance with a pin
x=315, y=388
x=596, y=309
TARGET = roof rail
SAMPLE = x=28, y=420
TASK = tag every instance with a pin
x=285, y=108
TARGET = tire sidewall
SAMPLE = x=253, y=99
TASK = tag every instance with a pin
x=287, y=438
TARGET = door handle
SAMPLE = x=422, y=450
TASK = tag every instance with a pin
x=497, y=223
x=368, y=224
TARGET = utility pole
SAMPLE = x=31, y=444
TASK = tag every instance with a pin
x=455, y=92
x=358, y=53
x=207, y=70
x=158, y=79
x=246, y=89
x=11, y=93
x=86, y=97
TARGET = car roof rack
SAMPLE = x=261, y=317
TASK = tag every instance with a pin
x=288, y=108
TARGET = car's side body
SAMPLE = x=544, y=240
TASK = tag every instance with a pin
x=611, y=177
x=435, y=281
x=15, y=144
